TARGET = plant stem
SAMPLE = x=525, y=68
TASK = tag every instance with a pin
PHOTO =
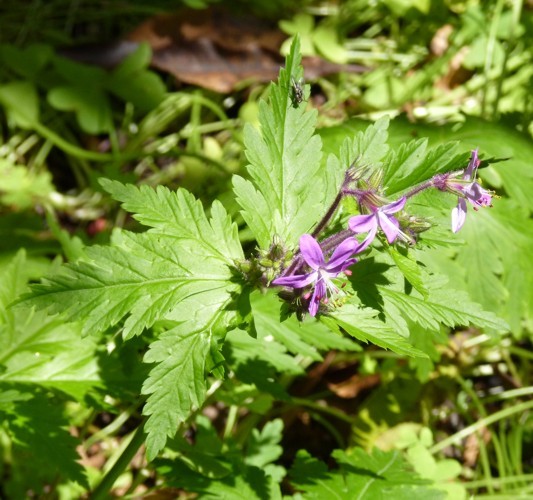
x=321, y=408
x=329, y=214
x=102, y=490
x=506, y=412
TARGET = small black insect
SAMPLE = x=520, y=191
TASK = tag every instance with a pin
x=297, y=90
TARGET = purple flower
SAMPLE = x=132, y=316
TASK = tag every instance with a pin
x=321, y=272
x=381, y=217
x=468, y=189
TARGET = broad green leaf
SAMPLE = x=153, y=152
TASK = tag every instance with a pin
x=360, y=475
x=264, y=350
x=368, y=146
x=146, y=277
x=179, y=215
x=411, y=164
x=326, y=39
x=410, y=269
x=21, y=102
x=493, y=140
x=494, y=264
x=364, y=325
x=176, y=385
x=304, y=338
x=258, y=361
x=381, y=286
x=43, y=450
x=244, y=483
x=90, y=103
x=38, y=351
x=402, y=161
x=263, y=446
x=288, y=191
x=444, y=305
x=42, y=351
x=29, y=61
x=132, y=81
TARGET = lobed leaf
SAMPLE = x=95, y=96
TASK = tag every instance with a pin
x=176, y=385
x=361, y=475
x=42, y=352
x=143, y=277
x=364, y=325
x=288, y=190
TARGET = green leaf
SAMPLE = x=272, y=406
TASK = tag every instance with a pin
x=364, y=325
x=39, y=351
x=493, y=266
x=132, y=82
x=176, y=386
x=257, y=361
x=382, y=287
x=29, y=61
x=360, y=475
x=410, y=269
x=326, y=40
x=288, y=190
x=33, y=425
x=23, y=187
x=412, y=165
x=305, y=338
x=150, y=276
x=263, y=446
x=244, y=482
x=444, y=305
x=91, y=105
x=264, y=349
x=21, y=102
x=368, y=145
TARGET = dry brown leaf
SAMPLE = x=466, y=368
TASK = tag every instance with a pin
x=352, y=386
x=219, y=50
x=210, y=48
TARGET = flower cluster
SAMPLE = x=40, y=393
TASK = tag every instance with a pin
x=467, y=189
x=310, y=272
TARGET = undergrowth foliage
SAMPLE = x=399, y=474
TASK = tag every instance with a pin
x=335, y=240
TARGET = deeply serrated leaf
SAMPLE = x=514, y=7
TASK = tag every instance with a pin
x=304, y=338
x=33, y=425
x=364, y=325
x=287, y=191
x=408, y=169
x=40, y=351
x=264, y=447
x=445, y=306
x=410, y=269
x=145, y=277
x=176, y=385
x=360, y=476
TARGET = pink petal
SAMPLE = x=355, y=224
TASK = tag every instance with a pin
x=390, y=226
x=362, y=223
x=333, y=271
x=343, y=252
x=369, y=239
x=473, y=164
x=392, y=208
x=459, y=215
x=311, y=252
x=296, y=281
x=318, y=293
